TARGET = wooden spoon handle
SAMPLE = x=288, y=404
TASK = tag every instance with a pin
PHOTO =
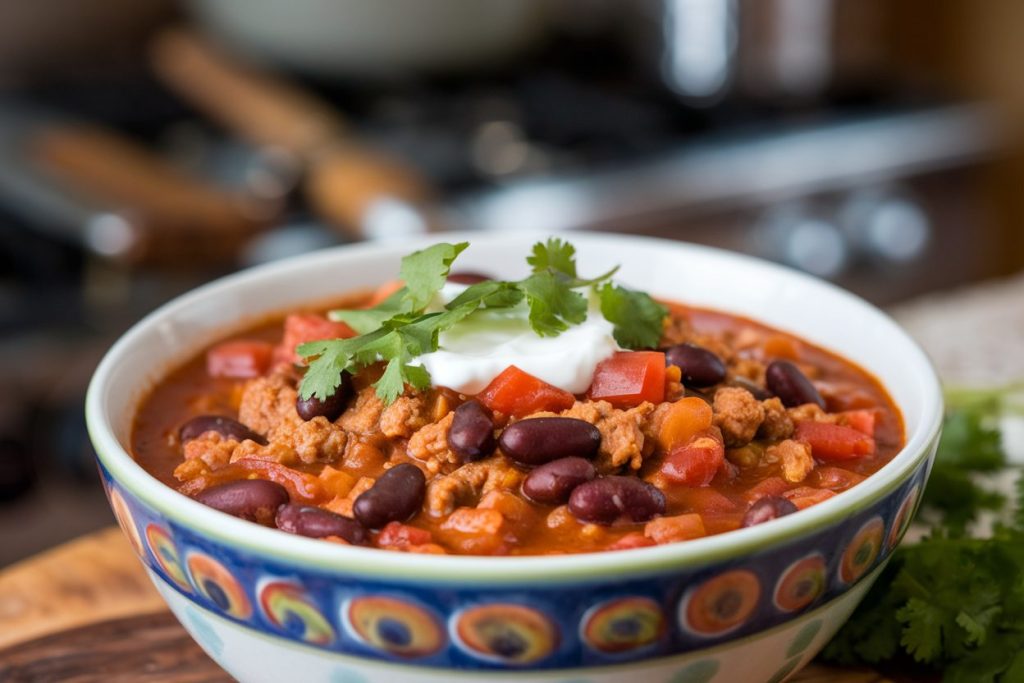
x=258, y=106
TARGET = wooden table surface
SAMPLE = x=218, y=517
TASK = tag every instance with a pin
x=86, y=611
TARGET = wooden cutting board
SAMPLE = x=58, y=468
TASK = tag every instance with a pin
x=86, y=612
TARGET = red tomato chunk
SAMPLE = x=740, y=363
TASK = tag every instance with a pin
x=629, y=378
x=695, y=463
x=834, y=442
x=517, y=393
x=300, y=328
x=239, y=359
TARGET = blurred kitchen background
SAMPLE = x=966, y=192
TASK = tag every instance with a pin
x=148, y=146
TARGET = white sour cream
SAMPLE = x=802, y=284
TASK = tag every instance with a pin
x=479, y=348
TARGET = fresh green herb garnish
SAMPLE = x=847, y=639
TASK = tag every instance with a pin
x=952, y=602
x=399, y=329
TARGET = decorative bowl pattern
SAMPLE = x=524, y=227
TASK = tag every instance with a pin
x=751, y=605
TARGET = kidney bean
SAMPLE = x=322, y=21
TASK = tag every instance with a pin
x=791, y=386
x=306, y=520
x=543, y=439
x=552, y=482
x=700, y=367
x=471, y=435
x=225, y=426
x=605, y=500
x=395, y=497
x=766, y=509
x=256, y=500
x=468, y=278
x=331, y=407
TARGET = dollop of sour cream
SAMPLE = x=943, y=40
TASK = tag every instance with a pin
x=479, y=348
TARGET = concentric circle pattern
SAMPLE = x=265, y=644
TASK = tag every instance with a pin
x=288, y=607
x=395, y=626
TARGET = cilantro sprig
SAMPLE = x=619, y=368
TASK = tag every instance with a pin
x=952, y=602
x=400, y=328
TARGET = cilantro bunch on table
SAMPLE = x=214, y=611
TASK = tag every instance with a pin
x=951, y=602
x=401, y=328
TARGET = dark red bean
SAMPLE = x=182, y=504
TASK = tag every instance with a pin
x=608, y=499
x=768, y=508
x=395, y=497
x=700, y=367
x=543, y=439
x=791, y=386
x=331, y=408
x=256, y=500
x=306, y=520
x=225, y=426
x=553, y=482
x=471, y=435
x=468, y=278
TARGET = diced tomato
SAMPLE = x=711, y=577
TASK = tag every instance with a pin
x=773, y=486
x=806, y=496
x=517, y=393
x=300, y=328
x=239, y=359
x=704, y=500
x=684, y=419
x=633, y=539
x=398, y=535
x=861, y=420
x=695, y=463
x=834, y=442
x=678, y=528
x=301, y=486
x=629, y=378
x=835, y=478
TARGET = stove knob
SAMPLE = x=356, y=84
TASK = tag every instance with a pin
x=886, y=225
x=802, y=239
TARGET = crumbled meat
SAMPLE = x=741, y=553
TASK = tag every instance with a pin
x=748, y=368
x=622, y=436
x=738, y=414
x=777, y=425
x=468, y=483
x=651, y=426
x=315, y=440
x=794, y=457
x=677, y=330
x=430, y=445
x=363, y=417
x=268, y=403
x=403, y=417
x=212, y=448
x=812, y=412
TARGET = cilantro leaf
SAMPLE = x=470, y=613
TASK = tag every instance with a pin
x=638, y=318
x=399, y=329
x=365, y=320
x=425, y=272
x=554, y=255
x=553, y=304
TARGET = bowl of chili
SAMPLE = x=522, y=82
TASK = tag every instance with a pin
x=707, y=504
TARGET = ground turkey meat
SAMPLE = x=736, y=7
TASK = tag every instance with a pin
x=794, y=457
x=363, y=417
x=622, y=437
x=268, y=403
x=812, y=412
x=430, y=445
x=738, y=414
x=467, y=484
x=777, y=425
x=403, y=417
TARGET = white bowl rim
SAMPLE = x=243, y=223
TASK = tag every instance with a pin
x=507, y=570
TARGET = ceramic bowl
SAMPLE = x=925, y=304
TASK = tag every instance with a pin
x=750, y=605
